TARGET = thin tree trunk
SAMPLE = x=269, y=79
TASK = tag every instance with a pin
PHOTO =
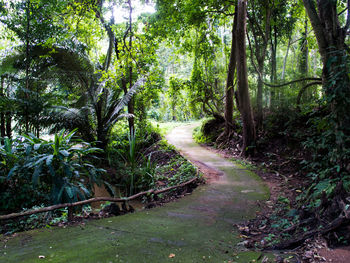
x=273, y=77
x=261, y=40
x=249, y=134
x=131, y=104
x=286, y=57
x=8, y=116
x=2, y=114
x=27, y=65
x=259, y=96
x=8, y=124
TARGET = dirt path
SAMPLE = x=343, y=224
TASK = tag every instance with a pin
x=196, y=228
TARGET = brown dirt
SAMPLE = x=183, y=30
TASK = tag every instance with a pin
x=339, y=255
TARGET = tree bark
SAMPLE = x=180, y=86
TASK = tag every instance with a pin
x=230, y=82
x=273, y=77
x=331, y=43
x=329, y=34
x=249, y=134
x=131, y=104
x=26, y=114
x=304, y=61
x=286, y=57
x=2, y=114
x=261, y=39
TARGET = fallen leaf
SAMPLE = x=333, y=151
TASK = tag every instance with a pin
x=171, y=255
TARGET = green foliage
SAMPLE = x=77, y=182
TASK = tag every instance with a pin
x=200, y=138
x=60, y=170
x=135, y=169
x=329, y=142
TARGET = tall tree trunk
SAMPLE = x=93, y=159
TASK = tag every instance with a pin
x=2, y=114
x=131, y=104
x=259, y=96
x=249, y=134
x=8, y=124
x=273, y=77
x=230, y=82
x=286, y=57
x=335, y=79
x=329, y=34
x=304, y=62
x=8, y=116
x=330, y=37
x=27, y=65
x=261, y=40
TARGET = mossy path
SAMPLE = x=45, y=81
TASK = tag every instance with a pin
x=196, y=228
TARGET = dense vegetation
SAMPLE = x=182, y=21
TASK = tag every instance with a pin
x=92, y=74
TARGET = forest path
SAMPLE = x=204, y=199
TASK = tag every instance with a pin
x=196, y=228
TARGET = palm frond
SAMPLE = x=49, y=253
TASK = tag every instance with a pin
x=125, y=100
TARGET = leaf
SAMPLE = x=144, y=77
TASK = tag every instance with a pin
x=36, y=175
x=49, y=160
x=28, y=149
x=69, y=192
x=111, y=188
x=84, y=189
x=65, y=153
x=37, y=146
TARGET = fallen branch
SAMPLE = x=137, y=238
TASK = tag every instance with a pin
x=297, y=241
x=95, y=199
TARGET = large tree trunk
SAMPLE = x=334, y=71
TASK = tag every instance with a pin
x=331, y=43
x=249, y=134
x=335, y=79
x=230, y=82
x=329, y=34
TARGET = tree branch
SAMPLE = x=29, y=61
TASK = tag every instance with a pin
x=303, y=89
x=96, y=199
x=293, y=81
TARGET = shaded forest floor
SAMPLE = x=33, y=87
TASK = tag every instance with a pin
x=279, y=167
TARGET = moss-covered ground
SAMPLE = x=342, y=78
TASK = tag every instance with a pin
x=196, y=228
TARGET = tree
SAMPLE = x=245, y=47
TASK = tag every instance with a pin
x=260, y=26
x=331, y=39
x=249, y=133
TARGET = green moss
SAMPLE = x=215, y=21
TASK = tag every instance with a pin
x=197, y=228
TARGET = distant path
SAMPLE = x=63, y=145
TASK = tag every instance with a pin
x=196, y=228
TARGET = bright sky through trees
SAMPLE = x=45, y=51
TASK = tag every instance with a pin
x=121, y=12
